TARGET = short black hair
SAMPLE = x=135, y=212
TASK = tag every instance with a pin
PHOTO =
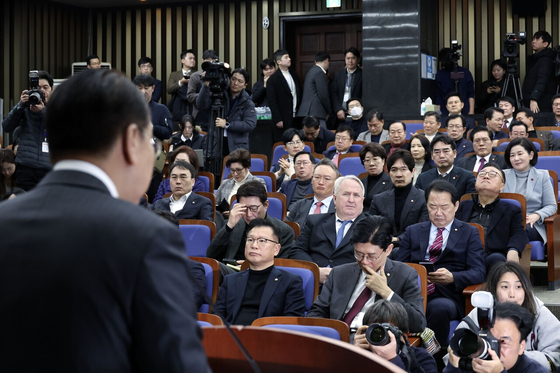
x=345, y=128
x=321, y=56
x=555, y=97
x=193, y=158
x=279, y=53
x=517, y=123
x=187, y=118
x=184, y=165
x=92, y=57
x=267, y=62
x=455, y=116
x=478, y=129
x=243, y=72
x=209, y=54
x=522, y=318
x=354, y=99
x=144, y=80
x=184, y=53
x=374, y=113
x=440, y=186
x=253, y=188
x=258, y=222
x=446, y=139
x=403, y=154
x=500, y=63
x=373, y=229
x=528, y=112
x=305, y=152
x=374, y=148
x=45, y=75
x=144, y=60
x=98, y=116
x=399, y=122
x=289, y=134
x=506, y=99
x=425, y=144
x=489, y=113
x=527, y=145
x=239, y=155
x=497, y=167
x=433, y=114
x=384, y=311
x=354, y=51
x=546, y=37
x=452, y=94
x=311, y=121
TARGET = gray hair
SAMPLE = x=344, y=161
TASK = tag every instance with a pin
x=348, y=177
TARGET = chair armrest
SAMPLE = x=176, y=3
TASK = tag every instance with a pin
x=553, y=249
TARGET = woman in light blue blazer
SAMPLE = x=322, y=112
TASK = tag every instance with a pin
x=523, y=178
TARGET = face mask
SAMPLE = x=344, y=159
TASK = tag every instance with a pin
x=356, y=111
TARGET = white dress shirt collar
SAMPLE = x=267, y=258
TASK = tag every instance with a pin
x=90, y=169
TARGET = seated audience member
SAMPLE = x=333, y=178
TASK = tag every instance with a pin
x=508, y=282
x=454, y=105
x=145, y=66
x=239, y=164
x=420, y=150
x=512, y=324
x=183, y=202
x=456, y=128
x=376, y=132
x=482, y=145
x=444, y=153
x=403, y=205
x=263, y=290
x=504, y=235
x=252, y=203
x=516, y=129
x=432, y=122
x=454, y=248
x=411, y=359
x=324, y=176
x=319, y=136
x=491, y=89
x=357, y=121
x=354, y=287
x=324, y=239
x=397, y=136
x=526, y=116
x=523, y=178
x=343, y=138
x=181, y=153
x=508, y=106
x=189, y=135
x=7, y=174
x=373, y=158
x=553, y=119
x=284, y=168
x=494, y=118
x=299, y=187
x=258, y=95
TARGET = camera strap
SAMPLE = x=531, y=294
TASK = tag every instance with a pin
x=472, y=326
x=411, y=359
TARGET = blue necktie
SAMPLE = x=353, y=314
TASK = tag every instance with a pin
x=340, y=233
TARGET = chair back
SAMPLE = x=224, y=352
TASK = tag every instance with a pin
x=324, y=327
x=412, y=127
x=555, y=131
x=197, y=235
x=259, y=162
x=295, y=227
x=212, y=197
x=480, y=231
x=212, y=272
x=212, y=320
x=208, y=179
x=350, y=164
x=354, y=148
x=422, y=281
x=278, y=151
x=269, y=179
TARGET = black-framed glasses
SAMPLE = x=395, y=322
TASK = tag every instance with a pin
x=370, y=257
x=254, y=208
x=236, y=170
x=261, y=241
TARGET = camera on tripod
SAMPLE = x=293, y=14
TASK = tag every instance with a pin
x=217, y=73
x=455, y=51
x=378, y=334
x=35, y=94
x=468, y=344
x=511, y=44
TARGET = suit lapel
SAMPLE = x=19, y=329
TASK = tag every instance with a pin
x=329, y=229
x=389, y=207
x=423, y=239
x=347, y=286
x=235, y=239
x=454, y=235
x=408, y=203
x=269, y=289
x=496, y=216
x=239, y=291
x=188, y=203
x=346, y=238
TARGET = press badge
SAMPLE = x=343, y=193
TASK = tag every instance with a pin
x=45, y=147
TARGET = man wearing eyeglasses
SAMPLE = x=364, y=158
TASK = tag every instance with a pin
x=456, y=128
x=352, y=288
x=299, y=187
x=343, y=139
x=263, y=290
x=482, y=146
x=504, y=235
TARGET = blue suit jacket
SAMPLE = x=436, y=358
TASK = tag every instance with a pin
x=462, y=256
x=282, y=295
x=463, y=147
x=461, y=179
x=288, y=189
x=196, y=207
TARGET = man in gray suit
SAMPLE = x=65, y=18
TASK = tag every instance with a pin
x=316, y=100
x=352, y=288
x=376, y=132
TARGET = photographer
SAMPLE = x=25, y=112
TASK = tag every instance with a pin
x=177, y=87
x=32, y=158
x=512, y=325
x=385, y=311
x=449, y=76
x=240, y=116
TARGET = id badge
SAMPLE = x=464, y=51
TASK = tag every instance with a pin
x=45, y=147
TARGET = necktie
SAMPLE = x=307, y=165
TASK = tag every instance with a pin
x=335, y=159
x=357, y=306
x=318, y=208
x=505, y=124
x=435, y=251
x=482, y=163
x=340, y=233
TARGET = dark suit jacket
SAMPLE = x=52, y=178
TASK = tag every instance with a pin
x=401, y=278
x=282, y=295
x=461, y=179
x=280, y=98
x=468, y=162
x=463, y=147
x=322, y=140
x=99, y=277
x=339, y=84
x=384, y=184
x=300, y=210
x=316, y=242
x=196, y=207
x=414, y=210
x=463, y=256
x=226, y=243
x=547, y=137
x=288, y=189
x=505, y=230
x=316, y=100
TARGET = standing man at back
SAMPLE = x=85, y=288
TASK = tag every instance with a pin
x=102, y=284
x=539, y=85
x=195, y=85
x=316, y=100
x=177, y=87
x=347, y=83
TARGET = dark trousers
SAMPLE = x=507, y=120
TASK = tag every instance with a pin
x=440, y=311
x=28, y=177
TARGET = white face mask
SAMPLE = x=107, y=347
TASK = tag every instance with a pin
x=356, y=111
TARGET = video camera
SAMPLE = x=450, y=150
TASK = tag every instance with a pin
x=35, y=94
x=511, y=44
x=217, y=73
x=378, y=334
x=468, y=344
x=455, y=51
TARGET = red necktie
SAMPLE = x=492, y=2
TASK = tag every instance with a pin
x=357, y=306
x=435, y=251
x=335, y=159
x=318, y=208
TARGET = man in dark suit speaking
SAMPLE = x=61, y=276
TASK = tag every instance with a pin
x=89, y=280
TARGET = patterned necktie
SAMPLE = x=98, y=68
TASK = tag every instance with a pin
x=335, y=159
x=340, y=233
x=435, y=252
x=357, y=306
x=505, y=124
x=318, y=208
x=482, y=163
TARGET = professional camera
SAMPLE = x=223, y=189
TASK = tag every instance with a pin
x=377, y=334
x=469, y=344
x=455, y=51
x=35, y=94
x=511, y=44
x=217, y=73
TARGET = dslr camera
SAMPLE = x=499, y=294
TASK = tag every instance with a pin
x=468, y=344
x=455, y=51
x=378, y=334
x=511, y=44
x=217, y=73
x=35, y=94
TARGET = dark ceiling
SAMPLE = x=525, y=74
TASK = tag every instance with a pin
x=116, y=3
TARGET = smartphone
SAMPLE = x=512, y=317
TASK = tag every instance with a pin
x=230, y=261
x=429, y=266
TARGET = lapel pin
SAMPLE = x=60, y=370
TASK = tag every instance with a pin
x=411, y=200
x=454, y=177
x=387, y=274
x=276, y=279
x=455, y=229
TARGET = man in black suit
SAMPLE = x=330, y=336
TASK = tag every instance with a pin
x=324, y=176
x=296, y=189
x=444, y=153
x=319, y=136
x=283, y=93
x=526, y=116
x=551, y=119
x=456, y=252
x=99, y=276
x=482, y=146
x=456, y=128
x=316, y=100
x=324, y=239
x=347, y=83
x=454, y=105
x=183, y=202
x=504, y=234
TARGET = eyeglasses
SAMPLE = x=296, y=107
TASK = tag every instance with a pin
x=370, y=258
x=254, y=208
x=490, y=174
x=261, y=241
x=341, y=138
x=556, y=104
x=485, y=139
x=292, y=143
x=156, y=143
x=302, y=163
x=236, y=170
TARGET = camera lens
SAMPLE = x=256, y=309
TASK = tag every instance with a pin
x=377, y=335
x=468, y=345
